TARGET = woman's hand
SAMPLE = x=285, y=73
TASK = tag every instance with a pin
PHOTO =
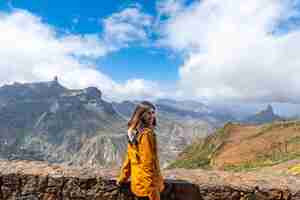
x=120, y=183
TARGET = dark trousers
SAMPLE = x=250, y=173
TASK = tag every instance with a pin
x=141, y=198
x=163, y=195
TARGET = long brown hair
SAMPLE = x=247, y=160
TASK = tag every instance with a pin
x=137, y=119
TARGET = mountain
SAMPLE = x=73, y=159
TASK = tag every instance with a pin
x=263, y=116
x=47, y=121
x=187, y=105
x=243, y=147
x=195, y=110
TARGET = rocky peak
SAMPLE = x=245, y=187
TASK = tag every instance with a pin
x=264, y=116
x=55, y=79
x=31, y=91
x=268, y=111
x=93, y=93
x=55, y=83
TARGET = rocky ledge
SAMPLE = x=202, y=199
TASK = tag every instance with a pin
x=32, y=180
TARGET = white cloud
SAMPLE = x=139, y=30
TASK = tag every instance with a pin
x=169, y=7
x=231, y=53
x=33, y=51
x=140, y=89
x=127, y=26
x=88, y=45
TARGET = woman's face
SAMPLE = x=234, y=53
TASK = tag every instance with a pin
x=150, y=117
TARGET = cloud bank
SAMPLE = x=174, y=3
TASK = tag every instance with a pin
x=232, y=49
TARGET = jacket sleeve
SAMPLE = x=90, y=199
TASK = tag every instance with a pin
x=147, y=155
x=125, y=170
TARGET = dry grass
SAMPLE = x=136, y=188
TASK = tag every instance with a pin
x=244, y=147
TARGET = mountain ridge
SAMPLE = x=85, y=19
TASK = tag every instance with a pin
x=47, y=121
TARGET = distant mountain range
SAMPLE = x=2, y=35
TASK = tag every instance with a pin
x=46, y=121
x=182, y=110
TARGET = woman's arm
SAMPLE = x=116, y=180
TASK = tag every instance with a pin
x=147, y=156
x=125, y=171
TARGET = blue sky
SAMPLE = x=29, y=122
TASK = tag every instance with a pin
x=82, y=17
x=211, y=51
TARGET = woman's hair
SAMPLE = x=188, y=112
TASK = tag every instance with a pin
x=137, y=119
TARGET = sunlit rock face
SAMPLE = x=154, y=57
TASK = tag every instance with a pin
x=46, y=121
x=40, y=180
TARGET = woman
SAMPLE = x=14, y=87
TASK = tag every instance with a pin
x=141, y=163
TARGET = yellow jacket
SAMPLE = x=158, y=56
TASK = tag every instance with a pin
x=142, y=166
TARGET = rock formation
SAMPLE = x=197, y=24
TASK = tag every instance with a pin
x=263, y=116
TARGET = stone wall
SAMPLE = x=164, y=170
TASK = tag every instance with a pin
x=28, y=180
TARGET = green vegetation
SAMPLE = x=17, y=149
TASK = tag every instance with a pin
x=20, y=135
x=295, y=170
x=263, y=161
x=191, y=163
x=114, y=147
x=275, y=126
x=266, y=128
x=200, y=154
x=294, y=140
x=196, y=156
